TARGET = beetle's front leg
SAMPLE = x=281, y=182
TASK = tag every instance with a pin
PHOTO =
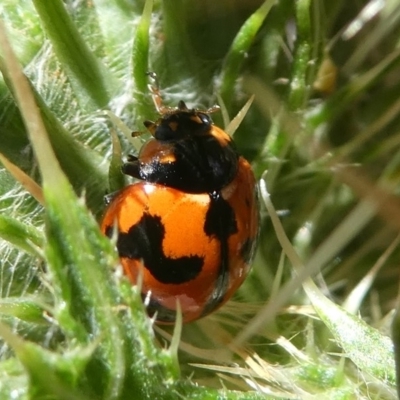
x=132, y=167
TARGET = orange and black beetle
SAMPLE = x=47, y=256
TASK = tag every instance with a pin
x=190, y=225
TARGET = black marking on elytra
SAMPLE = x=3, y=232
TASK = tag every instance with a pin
x=247, y=250
x=221, y=223
x=220, y=218
x=144, y=241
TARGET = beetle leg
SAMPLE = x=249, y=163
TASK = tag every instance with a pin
x=155, y=91
x=132, y=167
x=150, y=126
x=108, y=198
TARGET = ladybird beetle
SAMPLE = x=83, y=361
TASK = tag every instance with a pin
x=189, y=227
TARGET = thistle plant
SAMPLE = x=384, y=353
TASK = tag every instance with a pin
x=315, y=318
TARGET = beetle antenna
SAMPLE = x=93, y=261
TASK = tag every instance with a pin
x=213, y=109
x=155, y=92
x=154, y=89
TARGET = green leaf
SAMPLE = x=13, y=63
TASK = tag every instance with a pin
x=13, y=380
x=237, y=53
x=140, y=59
x=85, y=71
x=94, y=179
x=23, y=308
x=26, y=237
x=299, y=82
x=371, y=351
x=50, y=374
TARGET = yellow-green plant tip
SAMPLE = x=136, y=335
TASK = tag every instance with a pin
x=115, y=176
x=136, y=141
x=176, y=337
x=24, y=179
x=224, y=112
x=235, y=123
